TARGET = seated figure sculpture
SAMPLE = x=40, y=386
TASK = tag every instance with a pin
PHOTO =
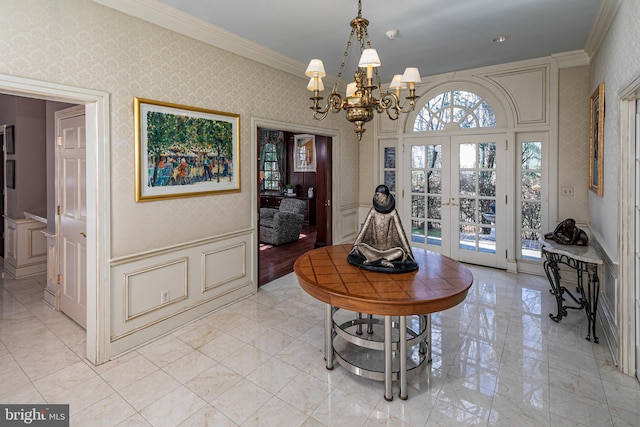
x=567, y=233
x=381, y=244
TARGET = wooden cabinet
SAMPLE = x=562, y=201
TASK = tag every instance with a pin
x=270, y=201
x=273, y=201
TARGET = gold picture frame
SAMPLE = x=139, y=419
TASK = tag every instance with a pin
x=184, y=151
x=596, y=140
x=304, y=153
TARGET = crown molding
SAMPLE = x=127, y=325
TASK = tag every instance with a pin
x=175, y=20
x=575, y=58
x=601, y=23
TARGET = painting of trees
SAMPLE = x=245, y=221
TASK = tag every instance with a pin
x=186, y=147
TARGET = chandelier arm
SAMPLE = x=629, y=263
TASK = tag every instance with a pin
x=319, y=113
x=409, y=104
x=389, y=103
x=335, y=102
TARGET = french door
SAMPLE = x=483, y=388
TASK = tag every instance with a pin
x=457, y=196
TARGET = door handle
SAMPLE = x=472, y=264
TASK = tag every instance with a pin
x=83, y=234
x=450, y=202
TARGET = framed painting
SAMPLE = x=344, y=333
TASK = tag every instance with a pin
x=10, y=139
x=184, y=151
x=10, y=169
x=304, y=153
x=596, y=140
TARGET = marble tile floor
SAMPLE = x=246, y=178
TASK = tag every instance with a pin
x=498, y=360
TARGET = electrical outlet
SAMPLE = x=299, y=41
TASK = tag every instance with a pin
x=164, y=297
x=566, y=191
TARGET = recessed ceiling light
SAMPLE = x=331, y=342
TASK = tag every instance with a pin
x=501, y=38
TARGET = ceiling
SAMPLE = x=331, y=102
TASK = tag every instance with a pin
x=437, y=36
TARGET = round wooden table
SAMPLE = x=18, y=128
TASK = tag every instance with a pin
x=440, y=283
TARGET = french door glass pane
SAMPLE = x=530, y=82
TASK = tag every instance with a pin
x=417, y=230
x=390, y=180
x=467, y=156
x=468, y=237
x=417, y=207
x=435, y=207
x=531, y=155
x=468, y=210
x=435, y=233
x=532, y=185
x=531, y=219
x=418, y=157
x=435, y=182
x=390, y=157
x=531, y=245
x=468, y=183
x=487, y=184
x=435, y=156
x=487, y=240
x=417, y=181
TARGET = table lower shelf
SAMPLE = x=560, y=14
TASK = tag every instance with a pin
x=358, y=344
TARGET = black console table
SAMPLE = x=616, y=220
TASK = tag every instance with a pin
x=583, y=259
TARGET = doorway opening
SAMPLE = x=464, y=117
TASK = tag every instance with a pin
x=97, y=197
x=277, y=168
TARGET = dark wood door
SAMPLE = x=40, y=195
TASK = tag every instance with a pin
x=323, y=191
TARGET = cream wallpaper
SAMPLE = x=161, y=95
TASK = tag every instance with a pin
x=80, y=43
x=573, y=145
x=616, y=63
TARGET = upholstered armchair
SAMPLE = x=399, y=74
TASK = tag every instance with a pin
x=283, y=225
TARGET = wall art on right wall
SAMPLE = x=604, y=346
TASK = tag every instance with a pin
x=596, y=140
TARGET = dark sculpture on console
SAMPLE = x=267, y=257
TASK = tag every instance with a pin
x=382, y=244
x=567, y=233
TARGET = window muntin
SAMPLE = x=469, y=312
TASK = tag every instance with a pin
x=462, y=109
x=272, y=175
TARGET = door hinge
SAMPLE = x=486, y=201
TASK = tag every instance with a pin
x=59, y=210
x=506, y=254
x=506, y=200
x=59, y=279
x=403, y=194
x=59, y=140
x=403, y=148
x=506, y=144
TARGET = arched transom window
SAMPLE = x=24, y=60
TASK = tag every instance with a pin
x=455, y=109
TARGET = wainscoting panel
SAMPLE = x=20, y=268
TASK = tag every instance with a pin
x=155, y=293
x=348, y=225
x=154, y=287
x=25, y=247
x=223, y=266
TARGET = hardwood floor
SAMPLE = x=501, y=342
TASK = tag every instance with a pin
x=276, y=261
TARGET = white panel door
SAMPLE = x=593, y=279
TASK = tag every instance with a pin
x=458, y=197
x=72, y=212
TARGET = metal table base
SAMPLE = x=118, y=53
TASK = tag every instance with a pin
x=345, y=341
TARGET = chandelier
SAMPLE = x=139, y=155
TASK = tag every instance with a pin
x=359, y=100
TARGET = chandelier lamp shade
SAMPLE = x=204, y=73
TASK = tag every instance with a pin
x=364, y=95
